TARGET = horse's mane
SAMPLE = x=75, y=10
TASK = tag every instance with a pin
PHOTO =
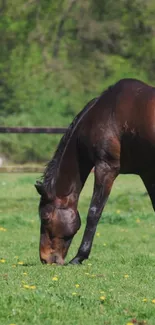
x=52, y=167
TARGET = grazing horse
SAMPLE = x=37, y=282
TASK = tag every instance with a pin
x=115, y=133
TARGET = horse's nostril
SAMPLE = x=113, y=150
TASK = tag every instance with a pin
x=54, y=259
x=43, y=261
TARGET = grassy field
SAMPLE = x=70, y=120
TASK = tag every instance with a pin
x=116, y=286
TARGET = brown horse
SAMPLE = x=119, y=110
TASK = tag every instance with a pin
x=115, y=133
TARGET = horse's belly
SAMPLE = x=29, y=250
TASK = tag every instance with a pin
x=137, y=155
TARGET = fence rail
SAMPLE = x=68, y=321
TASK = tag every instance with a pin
x=32, y=130
x=28, y=130
x=21, y=169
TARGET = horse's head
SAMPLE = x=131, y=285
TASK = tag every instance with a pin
x=59, y=223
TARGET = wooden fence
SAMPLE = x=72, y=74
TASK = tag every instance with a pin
x=32, y=130
x=29, y=130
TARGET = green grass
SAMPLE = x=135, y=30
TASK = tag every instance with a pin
x=120, y=268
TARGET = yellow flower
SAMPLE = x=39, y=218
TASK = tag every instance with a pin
x=118, y=211
x=2, y=260
x=26, y=286
x=20, y=263
x=144, y=300
x=3, y=229
x=98, y=234
x=129, y=323
x=77, y=285
x=55, y=278
x=126, y=276
x=74, y=293
x=123, y=230
x=32, y=287
x=24, y=273
x=102, y=298
x=153, y=301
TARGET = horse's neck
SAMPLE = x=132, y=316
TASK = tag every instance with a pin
x=74, y=169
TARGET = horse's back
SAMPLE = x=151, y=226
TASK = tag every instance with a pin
x=135, y=119
x=121, y=125
x=135, y=108
x=127, y=105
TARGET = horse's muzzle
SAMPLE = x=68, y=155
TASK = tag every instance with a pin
x=53, y=259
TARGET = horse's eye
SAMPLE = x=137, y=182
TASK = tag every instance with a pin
x=45, y=217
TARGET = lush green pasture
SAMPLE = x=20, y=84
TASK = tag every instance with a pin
x=116, y=286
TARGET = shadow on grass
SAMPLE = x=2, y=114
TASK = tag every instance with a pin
x=26, y=264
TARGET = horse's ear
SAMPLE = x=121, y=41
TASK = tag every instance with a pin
x=40, y=188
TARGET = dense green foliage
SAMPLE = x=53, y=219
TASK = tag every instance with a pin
x=120, y=268
x=57, y=55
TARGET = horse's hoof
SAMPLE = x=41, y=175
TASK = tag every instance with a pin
x=75, y=261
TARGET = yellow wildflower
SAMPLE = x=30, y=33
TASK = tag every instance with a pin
x=32, y=287
x=3, y=229
x=25, y=273
x=98, y=234
x=26, y=286
x=129, y=323
x=144, y=300
x=123, y=230
x=55, y=278
x=153, y=301
x=126, y=276
x=102, y=298
x=2, y=260
x=77, y=285
x=118, y=211
x=20, y=263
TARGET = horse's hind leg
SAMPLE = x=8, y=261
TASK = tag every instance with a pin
x=104, y=177
x=149, y=182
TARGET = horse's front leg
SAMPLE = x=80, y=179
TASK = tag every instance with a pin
x=104, y=177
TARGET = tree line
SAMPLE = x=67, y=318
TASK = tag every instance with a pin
x=57, y=55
